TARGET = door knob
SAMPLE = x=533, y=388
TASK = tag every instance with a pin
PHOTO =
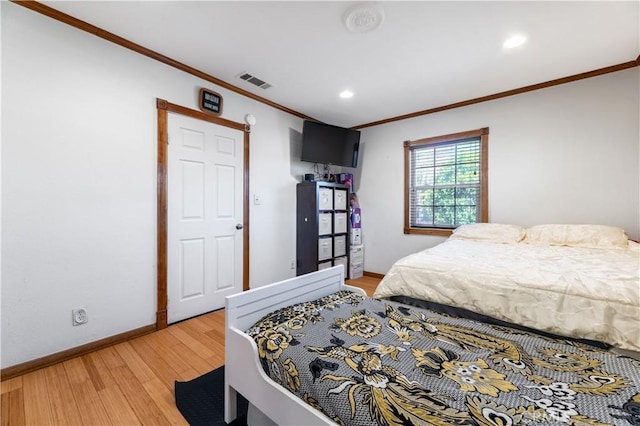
x=239, y=226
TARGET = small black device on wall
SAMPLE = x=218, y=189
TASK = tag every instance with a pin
x=308, y=177
x=210, y=102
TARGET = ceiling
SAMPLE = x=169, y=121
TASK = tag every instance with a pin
x=424, y=54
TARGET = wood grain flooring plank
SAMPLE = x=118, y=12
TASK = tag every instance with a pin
x=165, y=400
x=16, y=407
x=63, y=405
x=76, y=373
x=216, y=335
x=192, y=358
x=141, y=403
x=36, y=399
x=92, y=371
x=213, y=320
x=135, y=363
x=156, y=363
x=86, y=396
x=104, y=378
x=197, y=324
x=117, y=406
x=16, y=403
x=187, y=375
x=111, y=357
x=5, y=413
x=191, y=342
x=163, y=337
x=164, y=350
x=198, y=333
x=219, y=351
x=11, y=384
x=217, y=360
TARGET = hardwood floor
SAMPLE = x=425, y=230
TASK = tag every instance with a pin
x=127, y=384
x=368, y=284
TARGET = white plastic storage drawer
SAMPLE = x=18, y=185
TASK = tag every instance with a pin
x=340, y=243
x=341, y=261
x=355, y=271
x=340, y=202
x=356, y=236
x=324, y=265
x=325, y=199
x=324, y=224
x=340, y=223
x=325, y=248
x=357, y=255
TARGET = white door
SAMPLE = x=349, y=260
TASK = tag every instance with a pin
x=204, y=214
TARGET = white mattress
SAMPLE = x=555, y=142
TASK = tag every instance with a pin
x=571, y=291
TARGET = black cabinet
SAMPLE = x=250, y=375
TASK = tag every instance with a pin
x=322, y=226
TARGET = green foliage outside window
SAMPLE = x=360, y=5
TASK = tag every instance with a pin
x=445, y=183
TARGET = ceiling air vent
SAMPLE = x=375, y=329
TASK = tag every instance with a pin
x=254, y=80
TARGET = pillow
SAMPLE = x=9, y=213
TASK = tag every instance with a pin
x=494, y=232
x=592, y=236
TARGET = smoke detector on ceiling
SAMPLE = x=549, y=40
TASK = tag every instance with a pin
x=363, y=17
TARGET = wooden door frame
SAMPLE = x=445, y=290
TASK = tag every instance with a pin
x=163, y=108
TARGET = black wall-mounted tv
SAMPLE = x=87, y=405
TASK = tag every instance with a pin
x=327, y=144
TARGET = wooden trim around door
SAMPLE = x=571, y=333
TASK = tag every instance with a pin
x=163, y=109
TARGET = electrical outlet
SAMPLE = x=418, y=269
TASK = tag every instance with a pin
x=80, y=316
x=293, y=264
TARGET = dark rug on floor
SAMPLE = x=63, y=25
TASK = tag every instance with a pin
x=201, y=400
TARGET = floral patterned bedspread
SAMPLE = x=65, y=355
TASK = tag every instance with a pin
x=366, y=361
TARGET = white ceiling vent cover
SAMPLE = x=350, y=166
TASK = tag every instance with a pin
x=254, y=80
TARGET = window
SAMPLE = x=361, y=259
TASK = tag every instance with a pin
x=445, y=182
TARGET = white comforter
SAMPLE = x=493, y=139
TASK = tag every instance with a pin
x=571, y=291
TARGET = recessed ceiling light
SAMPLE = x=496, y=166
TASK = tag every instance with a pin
x=346, y=94
x=514, y=41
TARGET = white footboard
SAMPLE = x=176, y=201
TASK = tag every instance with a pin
x=243, y=372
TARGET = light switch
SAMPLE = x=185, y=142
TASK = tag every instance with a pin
x=256, y=199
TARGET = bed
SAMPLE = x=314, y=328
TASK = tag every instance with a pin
x=572, y=280
x=435, y=369
x=243, y=370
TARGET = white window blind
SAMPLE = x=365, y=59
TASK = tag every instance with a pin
x=444, y=188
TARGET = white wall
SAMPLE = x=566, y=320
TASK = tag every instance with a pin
x=79, y=184
x=564, y=154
